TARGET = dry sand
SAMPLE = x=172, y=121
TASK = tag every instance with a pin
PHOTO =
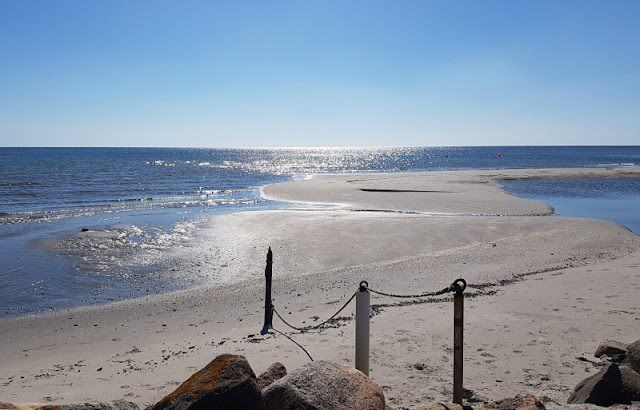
x=543, y=292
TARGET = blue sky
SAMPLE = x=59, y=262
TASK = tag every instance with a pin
x=319, y=73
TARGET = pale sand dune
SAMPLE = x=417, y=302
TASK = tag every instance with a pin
x=452, y=192
x=553, y=289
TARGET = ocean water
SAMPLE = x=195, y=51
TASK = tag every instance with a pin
x=81, y=226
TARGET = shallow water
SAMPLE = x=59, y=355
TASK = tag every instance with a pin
x=612, y=199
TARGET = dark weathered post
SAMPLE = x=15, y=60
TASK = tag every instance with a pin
x=268, y=306
x=458, y=315
x=363, y=320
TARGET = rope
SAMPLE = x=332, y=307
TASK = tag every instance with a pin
x=304, y=329
x=289, y=337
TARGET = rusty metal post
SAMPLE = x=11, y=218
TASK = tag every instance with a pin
x=458, y=327
x=363, y=322
x=268, y=306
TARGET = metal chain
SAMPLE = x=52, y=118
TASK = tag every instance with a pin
x=454, y=287
x=304, y=329
x=423, y=295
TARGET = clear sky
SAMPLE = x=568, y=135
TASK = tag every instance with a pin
x=319, y=73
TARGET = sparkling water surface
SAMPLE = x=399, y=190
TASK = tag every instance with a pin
x=83, y=226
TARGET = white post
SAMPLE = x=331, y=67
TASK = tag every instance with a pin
x=363, y=319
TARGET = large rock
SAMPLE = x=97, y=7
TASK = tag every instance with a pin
x=528, y=402
x=324, y=385
x=610, y=348
x=226, y=383
x=633, y=353
x=603, y=388
x=274, y=372
x=630, y=383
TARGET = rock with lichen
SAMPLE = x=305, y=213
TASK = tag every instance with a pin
x=228, y=382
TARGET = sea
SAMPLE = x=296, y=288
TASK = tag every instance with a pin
x=89, y=226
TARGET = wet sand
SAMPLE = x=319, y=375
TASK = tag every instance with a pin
x=543, y=291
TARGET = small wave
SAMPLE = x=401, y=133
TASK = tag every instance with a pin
x=20, y=184
x=27, y=194
x=124, y=205
x=618, y=165
x=88, y=191
x=135, y=199
x=208, y=191
x=160, y=163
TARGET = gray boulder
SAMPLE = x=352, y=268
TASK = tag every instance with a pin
x=633, y=353
x=603, y=388
x=611, y=348
x=274, y=372
x=324, y=385
x=226, y=383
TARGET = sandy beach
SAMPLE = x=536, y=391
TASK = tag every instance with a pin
x=543, y=292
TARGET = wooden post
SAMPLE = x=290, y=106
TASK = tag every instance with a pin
x=363, y=320
x=458, y=315
x=268, y=306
